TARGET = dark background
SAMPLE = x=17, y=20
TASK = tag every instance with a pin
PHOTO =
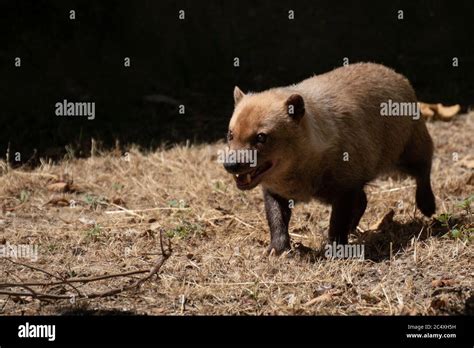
x=191, y=61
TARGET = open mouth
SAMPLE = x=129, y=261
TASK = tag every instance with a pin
x=250, y=179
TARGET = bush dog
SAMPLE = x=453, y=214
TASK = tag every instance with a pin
x=325, y=138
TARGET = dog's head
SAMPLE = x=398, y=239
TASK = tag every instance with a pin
x=261, y=136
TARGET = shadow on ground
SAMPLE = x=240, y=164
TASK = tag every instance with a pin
x=380, y=244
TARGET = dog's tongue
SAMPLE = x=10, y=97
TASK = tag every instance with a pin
x=244, y=179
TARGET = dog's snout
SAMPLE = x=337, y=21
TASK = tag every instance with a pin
x=233, y=167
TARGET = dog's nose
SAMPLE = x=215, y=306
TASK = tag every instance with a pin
x=233, y=167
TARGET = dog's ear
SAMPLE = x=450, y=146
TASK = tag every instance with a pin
x=238, y=95
x=295, y=107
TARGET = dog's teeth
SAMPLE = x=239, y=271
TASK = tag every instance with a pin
x=236, y=175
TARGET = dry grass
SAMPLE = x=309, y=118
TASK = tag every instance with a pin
x=219, y=235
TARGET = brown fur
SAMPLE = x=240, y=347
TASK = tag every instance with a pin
x=342, y=117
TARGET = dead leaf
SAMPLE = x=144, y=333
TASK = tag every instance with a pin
x=327, y=296
x=438, y=283
x=59, y=187
x=439, y=111
x=446, y=113
x=426, y=111
x=58, y=201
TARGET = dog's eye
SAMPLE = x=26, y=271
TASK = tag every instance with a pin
x=230, y=136
x=261, y=138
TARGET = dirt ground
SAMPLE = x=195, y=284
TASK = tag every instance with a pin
x=104, y=215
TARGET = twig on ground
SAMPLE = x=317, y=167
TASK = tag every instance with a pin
x=165, y=254
x=133, y=212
